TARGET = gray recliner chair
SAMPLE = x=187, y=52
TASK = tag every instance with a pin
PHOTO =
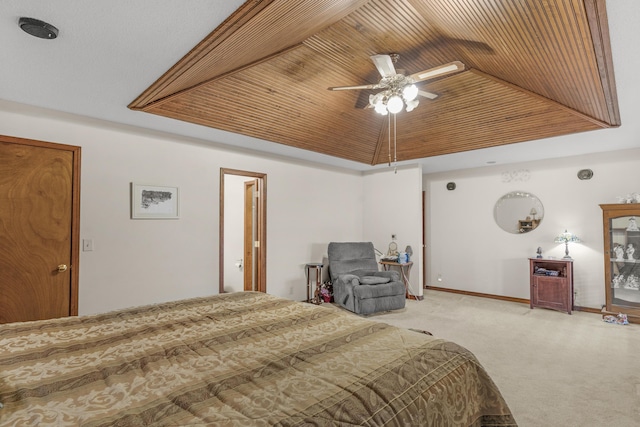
x=358, y=285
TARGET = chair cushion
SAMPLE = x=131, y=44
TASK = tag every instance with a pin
x=373, y=280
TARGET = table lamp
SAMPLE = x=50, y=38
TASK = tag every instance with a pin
x=565, y=238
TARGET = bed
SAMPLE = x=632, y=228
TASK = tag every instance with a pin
x=239, y=359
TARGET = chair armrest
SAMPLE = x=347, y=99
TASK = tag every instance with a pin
x=393, y=275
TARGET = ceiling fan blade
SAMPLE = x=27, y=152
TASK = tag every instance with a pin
x=373, y=86
x=442, y=70
x=427, y=94
x=384, y=64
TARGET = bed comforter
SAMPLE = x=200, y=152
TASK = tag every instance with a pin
x=240, y=359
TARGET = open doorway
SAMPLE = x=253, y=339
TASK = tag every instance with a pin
x=243, y=237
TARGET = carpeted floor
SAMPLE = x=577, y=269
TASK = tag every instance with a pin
x=553, y=369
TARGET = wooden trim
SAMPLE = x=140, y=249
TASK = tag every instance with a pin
x=504, y=298
x=576, y=113
x=587, y=309
x=416, y=297
x=158, y=102
x=221, y=235
x=249, y=274
x=261, y=258
x=240, y=17
x=478, y=294
x=423, y=238
x=598, y=24
x=75, y=210
x=75, y=233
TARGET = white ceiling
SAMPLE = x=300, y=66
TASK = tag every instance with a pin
x=108, y=52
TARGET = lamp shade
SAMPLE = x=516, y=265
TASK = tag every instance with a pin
x=567, y=237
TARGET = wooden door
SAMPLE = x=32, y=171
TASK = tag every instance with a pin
x=39, y=216
x=249, y=234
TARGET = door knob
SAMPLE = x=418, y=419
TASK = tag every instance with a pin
x=62, y=268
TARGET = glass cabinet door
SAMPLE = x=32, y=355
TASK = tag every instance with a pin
x=622, y=258
x=624, y=236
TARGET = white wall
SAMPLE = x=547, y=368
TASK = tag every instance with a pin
x=393, y=205
x=145, y=261
x=468, y=250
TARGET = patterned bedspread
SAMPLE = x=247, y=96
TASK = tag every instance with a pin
x=240, y=359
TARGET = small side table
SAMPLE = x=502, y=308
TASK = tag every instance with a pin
x=405, y=270
x=551, y=283
x=314, y=269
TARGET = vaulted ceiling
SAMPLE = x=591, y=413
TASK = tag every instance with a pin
x=533, y=69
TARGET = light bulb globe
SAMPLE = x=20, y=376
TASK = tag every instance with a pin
x=380, y=108
x=411, y=105
x=410, y=92
x=395, y=104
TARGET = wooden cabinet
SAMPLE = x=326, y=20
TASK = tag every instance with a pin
x=622, y=260
x=527, y=225
x=551, y=283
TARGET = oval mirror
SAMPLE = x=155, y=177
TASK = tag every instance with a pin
x=518, y=212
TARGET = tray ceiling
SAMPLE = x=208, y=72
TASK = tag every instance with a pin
x=534, y=69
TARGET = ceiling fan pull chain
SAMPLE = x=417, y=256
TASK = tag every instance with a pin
x=395, y=157
x=389, y=129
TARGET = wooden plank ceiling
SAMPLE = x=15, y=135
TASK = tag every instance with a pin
x=533, y=69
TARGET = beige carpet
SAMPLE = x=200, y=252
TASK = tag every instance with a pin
x=553, y=369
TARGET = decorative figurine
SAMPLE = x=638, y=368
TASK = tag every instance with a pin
x=539, y=252
x=619, y=250
x=409, y=252
x=618, y=281
x=630, y=250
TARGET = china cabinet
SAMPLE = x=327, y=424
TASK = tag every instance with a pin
x=622, y=260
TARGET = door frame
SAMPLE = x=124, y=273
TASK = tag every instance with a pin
x=75, y=210
x=261, y=213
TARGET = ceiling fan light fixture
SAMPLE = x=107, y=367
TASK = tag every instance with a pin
x=395, y=104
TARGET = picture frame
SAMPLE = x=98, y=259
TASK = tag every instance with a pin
x=154, y=201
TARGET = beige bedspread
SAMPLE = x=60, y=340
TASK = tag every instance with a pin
x=238, y=359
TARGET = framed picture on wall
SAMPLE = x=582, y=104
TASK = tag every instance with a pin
x=153, y=202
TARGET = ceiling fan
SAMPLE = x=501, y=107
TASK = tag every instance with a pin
x=400, y=90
